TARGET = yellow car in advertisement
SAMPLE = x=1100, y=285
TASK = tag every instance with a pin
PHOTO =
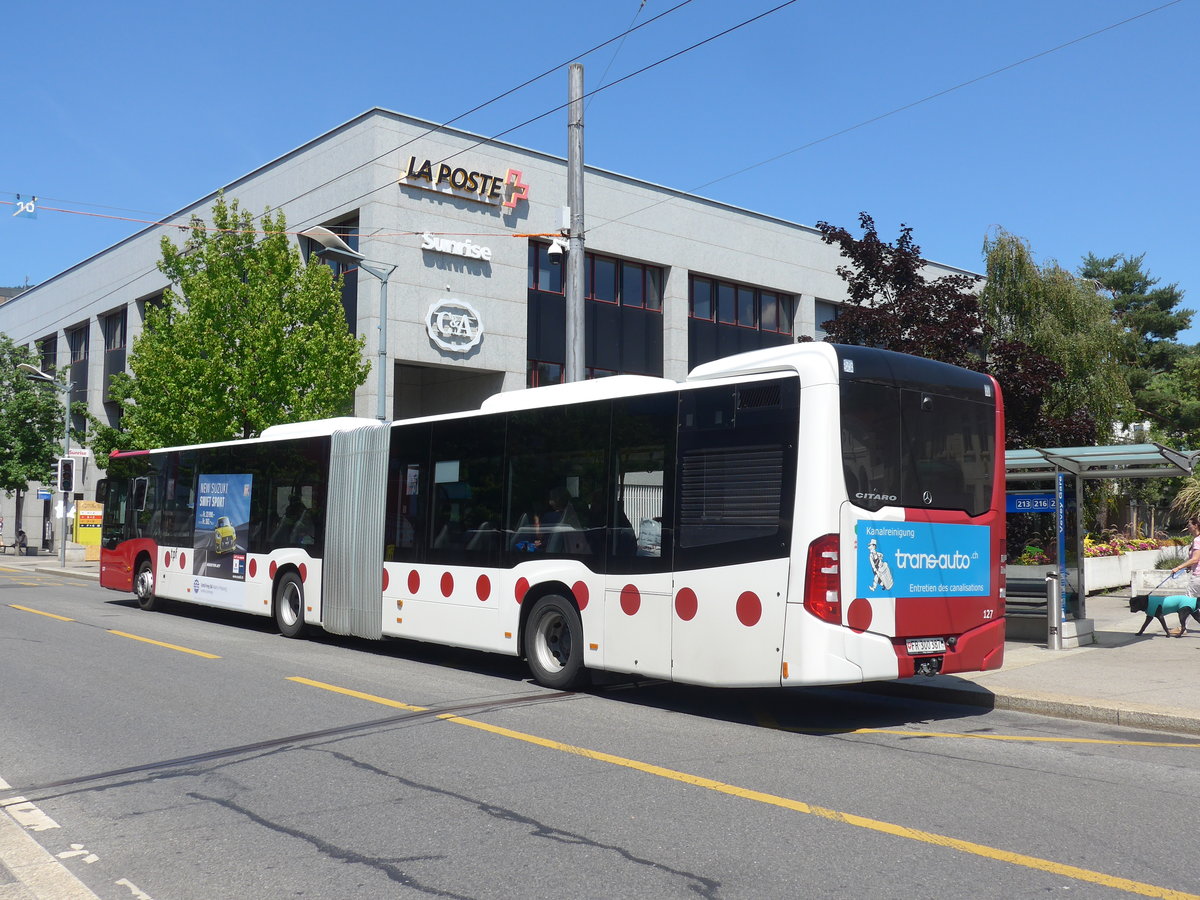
x=224, y=535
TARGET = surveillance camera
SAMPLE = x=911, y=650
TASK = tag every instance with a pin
x=556, y=252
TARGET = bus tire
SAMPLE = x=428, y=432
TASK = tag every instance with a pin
x=143, y=585
x=289, y=605
x=554, y=644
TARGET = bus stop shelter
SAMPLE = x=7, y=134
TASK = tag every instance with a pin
x=1060, y=472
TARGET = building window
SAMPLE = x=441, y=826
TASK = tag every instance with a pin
x=77, y=340
x=701, y=298
x=113, y=326
x=544, y=275
x=727, y=318
x=347, y=229
x=540, y=373
x=824, y=311
x=623, y=317
x=47, y=349
x=602, y=285
x=776, y=312
x=741, y=305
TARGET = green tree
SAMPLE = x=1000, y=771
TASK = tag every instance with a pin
x=31, y=421
x=1150, y=322
x=247, y=336
x=1066, y=320
x=894, y=306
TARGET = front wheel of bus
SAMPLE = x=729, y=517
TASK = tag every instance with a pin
x=143, y=585
x=554, y=644
x=289, y=605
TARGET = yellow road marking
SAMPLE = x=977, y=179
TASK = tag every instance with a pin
x=765, y=720
x=40, y=613
x=915, y=834
x=145, y=640
x=358, y=694
x=1014, y=737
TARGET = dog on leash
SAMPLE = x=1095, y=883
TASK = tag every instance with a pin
x=1158, y=607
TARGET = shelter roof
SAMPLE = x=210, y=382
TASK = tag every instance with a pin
x=1118, y=461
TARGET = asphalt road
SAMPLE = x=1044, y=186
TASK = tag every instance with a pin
x=191, y=753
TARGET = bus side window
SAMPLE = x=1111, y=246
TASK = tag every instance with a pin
x=296, y=498
x=466, y=494
x=557, y=460
x=405, y=523
x=641, y=519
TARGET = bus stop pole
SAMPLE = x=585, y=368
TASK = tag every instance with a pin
x=1053, y=612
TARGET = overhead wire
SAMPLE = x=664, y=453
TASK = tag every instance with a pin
x=767, y=161
x=163, y=223
x=899, y=109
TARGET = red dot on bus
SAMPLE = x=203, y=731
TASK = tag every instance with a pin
x=271, y=571
x=447, y=584
x=183, y=560
x=686, y=604
x=859, y=615
x=749, y=609
x=483, y=587
x=631, y=600
x=385, y=578
x=167, y=558
x=521, y=589
x=414, y=581
x=253, y=567
x=579, y=589
x=303, y=572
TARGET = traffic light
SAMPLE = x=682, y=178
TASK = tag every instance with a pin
x=66, y=475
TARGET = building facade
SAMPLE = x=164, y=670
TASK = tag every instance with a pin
x=475, y=302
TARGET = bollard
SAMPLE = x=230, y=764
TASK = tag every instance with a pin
x=1053, y=612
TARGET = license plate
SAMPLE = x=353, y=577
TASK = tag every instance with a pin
x=926, y=645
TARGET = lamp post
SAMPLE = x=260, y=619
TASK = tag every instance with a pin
x=334, y=248
x=33, y=373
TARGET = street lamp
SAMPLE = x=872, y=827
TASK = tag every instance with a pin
x=334, y=248
x=33, y=373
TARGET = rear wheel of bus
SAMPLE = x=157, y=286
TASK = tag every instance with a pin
x=289, y=605
x=554, y=644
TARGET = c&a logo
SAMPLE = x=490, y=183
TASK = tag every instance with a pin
x=454, y=325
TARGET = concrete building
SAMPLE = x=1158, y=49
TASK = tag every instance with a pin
x=475, y=303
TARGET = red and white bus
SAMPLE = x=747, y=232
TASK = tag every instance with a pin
x=809, y=514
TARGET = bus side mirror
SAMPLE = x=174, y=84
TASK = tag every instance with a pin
x=101, y=490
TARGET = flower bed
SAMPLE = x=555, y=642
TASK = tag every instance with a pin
x=1107, y=564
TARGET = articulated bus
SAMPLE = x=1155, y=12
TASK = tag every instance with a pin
x=809, y=514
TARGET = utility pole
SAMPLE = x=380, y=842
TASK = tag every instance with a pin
x=574, y=369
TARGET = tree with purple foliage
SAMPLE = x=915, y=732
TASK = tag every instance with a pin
x=895, y=306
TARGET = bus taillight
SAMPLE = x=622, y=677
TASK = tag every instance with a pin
x=822, y=588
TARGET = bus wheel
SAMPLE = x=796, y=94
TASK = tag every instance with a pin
x=289, y=605
x=554, y=644
x=143, y=585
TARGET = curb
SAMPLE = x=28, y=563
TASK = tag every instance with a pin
x=1055, y=706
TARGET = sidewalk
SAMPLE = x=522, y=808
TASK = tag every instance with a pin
x=1138, y=682
x=1146, y=682
x=46, y=563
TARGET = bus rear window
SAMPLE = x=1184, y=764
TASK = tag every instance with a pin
x=914, y=448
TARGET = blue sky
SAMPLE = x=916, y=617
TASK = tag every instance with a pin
x=137, y=109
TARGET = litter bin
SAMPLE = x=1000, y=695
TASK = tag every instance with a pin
x=31, y=551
